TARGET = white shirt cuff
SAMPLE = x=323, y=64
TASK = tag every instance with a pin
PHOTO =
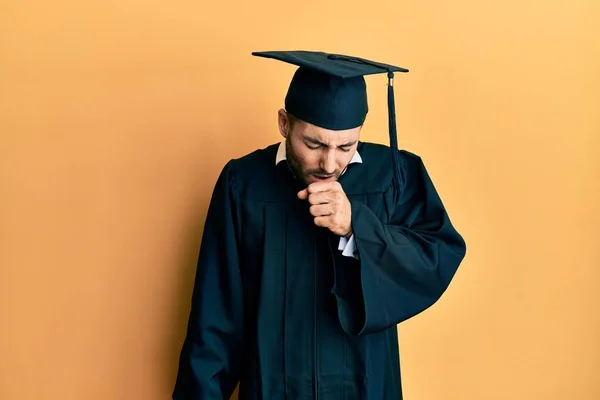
x=348, y=247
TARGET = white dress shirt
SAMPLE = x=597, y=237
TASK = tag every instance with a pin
x=346, y=245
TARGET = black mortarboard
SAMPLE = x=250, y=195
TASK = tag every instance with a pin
x=329, y=91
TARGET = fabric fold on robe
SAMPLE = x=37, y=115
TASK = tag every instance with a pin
x=405, y=264
x=214, y=348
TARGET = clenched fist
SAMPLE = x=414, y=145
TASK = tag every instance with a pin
x=330, y=206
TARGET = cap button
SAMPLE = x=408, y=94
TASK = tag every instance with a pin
x=332, y=57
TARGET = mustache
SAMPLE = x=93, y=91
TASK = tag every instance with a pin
x=321, y=174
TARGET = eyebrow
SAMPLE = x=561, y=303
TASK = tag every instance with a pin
x=316, y=141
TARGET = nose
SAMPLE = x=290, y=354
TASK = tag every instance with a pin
x=328, y=161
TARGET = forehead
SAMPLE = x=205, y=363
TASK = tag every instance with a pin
x=311, y=132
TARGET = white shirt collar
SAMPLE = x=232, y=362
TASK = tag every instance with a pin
x=281, y=155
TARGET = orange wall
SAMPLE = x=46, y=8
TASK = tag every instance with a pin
x=116, y=116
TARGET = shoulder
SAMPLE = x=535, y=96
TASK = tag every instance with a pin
x=258, y=161
x=255, y=176
x=375, y=173
x=380, y=154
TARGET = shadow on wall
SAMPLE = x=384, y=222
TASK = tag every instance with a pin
x=186, y=267
x=184, y=284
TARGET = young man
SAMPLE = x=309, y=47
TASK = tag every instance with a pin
x=313, y=251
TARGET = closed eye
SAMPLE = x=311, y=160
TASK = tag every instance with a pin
x=315, y=145
x=344, y=149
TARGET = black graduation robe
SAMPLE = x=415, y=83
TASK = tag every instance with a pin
x=278, y=308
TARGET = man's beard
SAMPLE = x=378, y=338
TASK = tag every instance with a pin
x=296, y=169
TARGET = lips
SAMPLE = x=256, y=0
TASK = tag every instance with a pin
x=323, y=177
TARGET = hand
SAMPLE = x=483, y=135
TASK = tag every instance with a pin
x=330, y=206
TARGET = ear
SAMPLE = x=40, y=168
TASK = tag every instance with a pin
x=283, y=122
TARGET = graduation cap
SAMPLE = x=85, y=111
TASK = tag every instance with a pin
x=329, y=91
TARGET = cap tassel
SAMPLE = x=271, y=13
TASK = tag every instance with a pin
x=392, y=129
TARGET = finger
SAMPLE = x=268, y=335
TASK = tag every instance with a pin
x=320, y=198
x=331, y=197
x=303, y=194
x=317, y=187
x=324, y=222
x=321, y=210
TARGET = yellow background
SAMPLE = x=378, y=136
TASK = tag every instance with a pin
x=116, y=117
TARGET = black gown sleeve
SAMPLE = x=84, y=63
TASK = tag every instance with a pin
x=210, y=359
x=405, y=264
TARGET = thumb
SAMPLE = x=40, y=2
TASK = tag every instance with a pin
x=303, y=194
